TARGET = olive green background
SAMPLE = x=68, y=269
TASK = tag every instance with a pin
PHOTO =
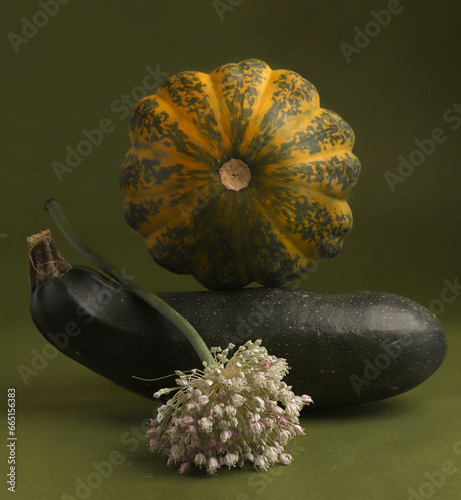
x=396, y=88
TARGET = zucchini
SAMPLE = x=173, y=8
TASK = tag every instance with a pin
x=343, y=348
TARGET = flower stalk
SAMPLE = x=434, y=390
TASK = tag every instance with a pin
x=54, y=208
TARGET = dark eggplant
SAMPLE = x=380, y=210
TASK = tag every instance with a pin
x=343, y=348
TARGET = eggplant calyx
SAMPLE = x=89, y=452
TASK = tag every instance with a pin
x=45, y=260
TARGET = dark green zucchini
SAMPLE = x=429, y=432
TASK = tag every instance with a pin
x=343, y=348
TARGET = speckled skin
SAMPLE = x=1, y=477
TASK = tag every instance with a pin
x=302, y=169
x=343, y=348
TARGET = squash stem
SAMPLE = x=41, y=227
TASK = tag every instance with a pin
x=54, y=208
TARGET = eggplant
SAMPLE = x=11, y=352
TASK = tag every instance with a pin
x=343, y=348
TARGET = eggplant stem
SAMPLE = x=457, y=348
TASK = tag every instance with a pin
x=55, y=210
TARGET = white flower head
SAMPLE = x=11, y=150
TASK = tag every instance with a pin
x=229, y=413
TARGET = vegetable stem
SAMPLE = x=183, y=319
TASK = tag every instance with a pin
x=54, y=208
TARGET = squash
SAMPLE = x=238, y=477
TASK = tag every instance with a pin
x=239, y=176
x=343, y=348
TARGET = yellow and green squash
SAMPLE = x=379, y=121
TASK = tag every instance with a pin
x=239, y=175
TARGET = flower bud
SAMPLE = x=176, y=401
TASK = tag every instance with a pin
x=184, y=467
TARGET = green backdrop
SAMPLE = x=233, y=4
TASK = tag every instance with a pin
x=391, y=69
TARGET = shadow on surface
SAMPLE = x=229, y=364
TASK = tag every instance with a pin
x=378, y=409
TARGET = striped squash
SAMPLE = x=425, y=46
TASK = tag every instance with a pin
x=239, y=176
